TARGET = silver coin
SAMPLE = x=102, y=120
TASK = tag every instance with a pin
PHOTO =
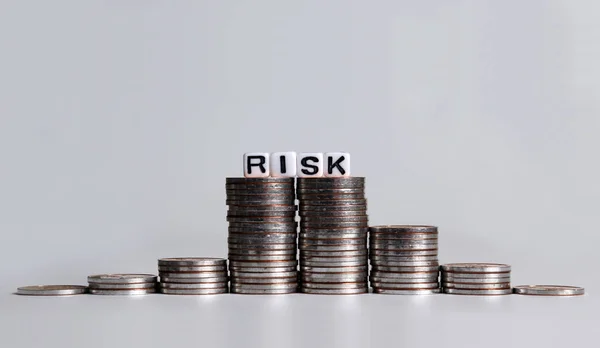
x=233, y=247
x=330, y=214
x=267, y=239
x=243, y=274
x=312, y=197
x=263, y=269
x=223, y=278
x=327, y=225
x=195, y=275
x=194, y=291
x=331, y=180
x=259, y=180
x=307, y=263
x=387, y=259
x=352, y=253
x=478, y=292
x=334, y=235
x=417, y=237
x=262, y=227
x=339, y=190
x=347, y=247
x=265, y=186
x=257, y=220
x=250, y=281
x=318, y=231
x=476, y=267
x=122, y=292
x=265, y=209
x=262, y=252
x=334, y=291
x=52, y=290
x=220, y=285
x=304, y=203
x=264, y=264
x=398, y=282
x=260, y=202
x=309, y=209
x=476, y=286
x=403, y=243
x=339, y=241
x=406, y=292
x=122, y=286
x=263, y=291
x=357, y=285
x=192, y=268
x=333, y=278
x=494, y=280
x=262, y=257
x=355, y=258
x=250, y=213
x=350, y=269
x=455, y=275
x=400, y=229
x=405, y=286
x=265, y=198
x=390, y=247
x=248, y=191
x=246, y=232
x=549, y=290
x=405, y=269
x=122, y=278
x=405, y=253
x=415, y=275
x=377, y=263
x=287, y=286
x=334, y=219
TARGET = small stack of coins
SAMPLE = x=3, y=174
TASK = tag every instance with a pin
x=404, y=259
x=262, y=235
x=122, y=284
x=193, y=276
x=333, y=235
x=476, y=279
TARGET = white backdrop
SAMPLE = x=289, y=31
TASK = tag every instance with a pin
x=119, y=121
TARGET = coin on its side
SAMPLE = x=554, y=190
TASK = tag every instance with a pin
x=51, y=290
x=549, y=290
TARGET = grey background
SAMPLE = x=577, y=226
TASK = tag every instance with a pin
x=119, y=121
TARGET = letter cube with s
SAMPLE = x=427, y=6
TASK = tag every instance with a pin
x=310, y=164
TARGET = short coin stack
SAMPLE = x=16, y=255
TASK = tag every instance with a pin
x=333, y=235
x=262, y=235
x=476, y=279
x=122, y=284
x=404, y=259
x=193, y=276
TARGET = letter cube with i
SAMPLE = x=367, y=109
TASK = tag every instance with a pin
x=283, y=164
x=310, y=164
x=256, y=165
x=337, y=164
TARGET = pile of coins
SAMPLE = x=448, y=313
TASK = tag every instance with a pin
x=476, y=279
x=333, y=235
x=262, y=235
x=122, y=284
x=193, y=276
x=404, y=259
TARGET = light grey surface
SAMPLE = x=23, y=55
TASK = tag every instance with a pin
x=119, y=121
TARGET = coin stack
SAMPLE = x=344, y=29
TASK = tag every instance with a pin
x=122, y=284
x=476, y=279
x=404, y=259
x=192, y=276
x=333, y=235
x=262, y=235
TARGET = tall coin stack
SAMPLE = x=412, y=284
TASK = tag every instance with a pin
x=122, y=284
x=404, y=259
x=333, y=235
x=476, y=279
x=192, y=276
x=262, y=235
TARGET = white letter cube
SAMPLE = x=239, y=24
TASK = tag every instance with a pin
x=337, y=164
x=283, y=164
x=310, y=164
x=256, y=164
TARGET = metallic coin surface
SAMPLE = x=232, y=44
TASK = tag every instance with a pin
x=262, y=219
x=377, y=263
x=397, y=281
x=339, y=241
x=354, y=258
x=122, y=286
x=51, y=290
x=281, y=286
x=291, y=257
x=233, y=247
x=405, y=269
x=308, y=208
x=344, y=247
x=122, y=278
x=478, y=292
x=328, y=225
x=314, y=285
x=405, y=253
x=219, y=285
x=306, y=263
x=401, y=229
x=254, y=252
x=243, y=280
x=334, y=291
x=192, y=261
x=333, y=278
x=263, y=269
x=122, y=292
x=259, y=180
x=341, y=190
x=491, y=276
x=264, y=274
x=194, y=291
x=448, y=279
x=333, y=235
x=267, y=239
x=334, y=219
x=196, y=275
x=333, y=269
x=264, y=264
x=417, y=237
x=549, y=290
x=192, y=268
x=412, y=275
x=387, y=259
x=406, y=292
x=264, y=186
x=264, y=209
x=480, y=286
x=222, y=278
x=351, y=253
x=254, y=214
x=405, y=286
x=476, y=267
x=263, y=291
x=331, y=202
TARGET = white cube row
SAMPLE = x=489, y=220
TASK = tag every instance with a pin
x=290, y=164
